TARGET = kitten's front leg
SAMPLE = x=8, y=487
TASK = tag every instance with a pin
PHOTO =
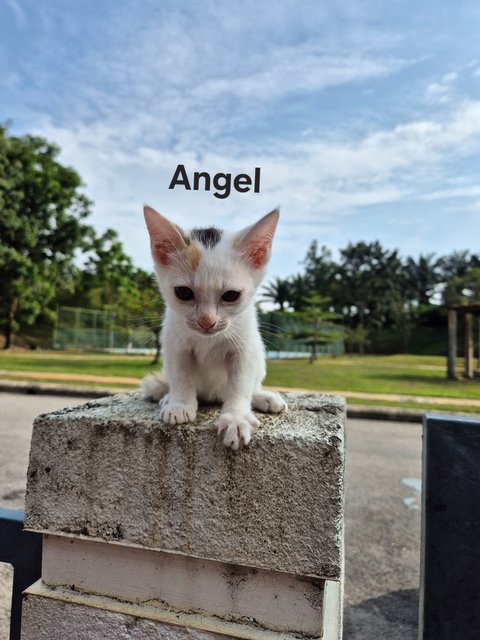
x=236, y=427
x=180, y=404
x=237, y=422
x=268, y=401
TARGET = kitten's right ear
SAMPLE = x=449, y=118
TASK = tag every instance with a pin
x=165, y=237
x=255, y=242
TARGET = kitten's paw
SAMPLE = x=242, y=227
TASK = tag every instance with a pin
x=268, y=402
x=175, y=413
x=236, y=428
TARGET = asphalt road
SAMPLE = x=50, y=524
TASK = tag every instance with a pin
x=382, y=513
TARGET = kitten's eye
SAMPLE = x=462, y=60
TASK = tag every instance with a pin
x=231, y=296
x=184, y=293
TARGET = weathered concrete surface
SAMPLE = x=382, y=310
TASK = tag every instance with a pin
x=45, y=618
x=273, y=599
x=17, y=414
x=60, y=613
x=112, y=470
x=382, y=532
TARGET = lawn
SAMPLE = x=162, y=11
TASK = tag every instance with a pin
x=404, y=375
x=99, y=364
x=400, y=374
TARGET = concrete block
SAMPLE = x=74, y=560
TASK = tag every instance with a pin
x=60, y=613
x=111, y=470
x=57, y=614
x=266, y=599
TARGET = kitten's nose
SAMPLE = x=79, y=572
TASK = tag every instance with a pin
x=206, y=322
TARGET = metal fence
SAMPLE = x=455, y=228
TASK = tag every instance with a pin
x=92, y=329
x=277, y=331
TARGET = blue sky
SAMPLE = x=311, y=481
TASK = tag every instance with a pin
x=363, y=116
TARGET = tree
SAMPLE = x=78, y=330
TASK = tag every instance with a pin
x=422, y=276
x=110, y=281
x=41, y=226
x=369, y=285
x=320, y=269
x=456, y=265
x=107, y=278
x=278, y=292
x=317, y=326
x=357, y=337
x=463, y=289
x=459, y=275
x=146, y=307
x=300, y=289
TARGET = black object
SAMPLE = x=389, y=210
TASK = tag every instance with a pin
x=450, y=581
x=23, y=550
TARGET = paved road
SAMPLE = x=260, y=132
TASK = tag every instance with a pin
x=382, y=513
x=382, y=530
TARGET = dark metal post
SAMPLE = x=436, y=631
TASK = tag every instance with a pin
x=23, y=550
x=450, y=564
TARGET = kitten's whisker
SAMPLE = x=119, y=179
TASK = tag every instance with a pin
x=151, y=301
x=281, y=336
x=241, y=342
x=138, y=319
x=234, y=340
x=148, y=340
x=159, y=317
x=268, y=343
x=181, y=260
x=271, y=329
x=274, y=327
x=146, y=324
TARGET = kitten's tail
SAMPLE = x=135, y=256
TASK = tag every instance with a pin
x=154, y=386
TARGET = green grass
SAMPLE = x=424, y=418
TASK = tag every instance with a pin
x=399, y=374
x=71, y=362
x=88, y=384
x=380, y=374
x=443, y=407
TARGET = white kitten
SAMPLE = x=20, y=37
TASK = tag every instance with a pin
x=212, y=349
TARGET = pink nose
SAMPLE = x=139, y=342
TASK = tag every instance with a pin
x=206, y=322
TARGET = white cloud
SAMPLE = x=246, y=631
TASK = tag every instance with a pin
x=317, y=182
x=442, y=92
x=212, y=88
x=192, y=79
x=438, y=93
x=467, y=191
x=298, y=69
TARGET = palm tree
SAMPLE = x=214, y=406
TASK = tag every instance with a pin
x=317, y=327
x=422, y=276
x=278, y=291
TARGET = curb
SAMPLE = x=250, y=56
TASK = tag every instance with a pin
x=364, y=412
x=51, y=389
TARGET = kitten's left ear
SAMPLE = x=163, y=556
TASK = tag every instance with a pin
x=165, y=238
x=255, y=242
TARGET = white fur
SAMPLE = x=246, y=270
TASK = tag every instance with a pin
x=227, y=363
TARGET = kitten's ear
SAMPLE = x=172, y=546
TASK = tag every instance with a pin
x=165, y=238
x=255, y=242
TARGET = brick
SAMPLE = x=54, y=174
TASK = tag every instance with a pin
x=111, y=470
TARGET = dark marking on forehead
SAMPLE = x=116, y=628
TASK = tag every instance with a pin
x=208, y=237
